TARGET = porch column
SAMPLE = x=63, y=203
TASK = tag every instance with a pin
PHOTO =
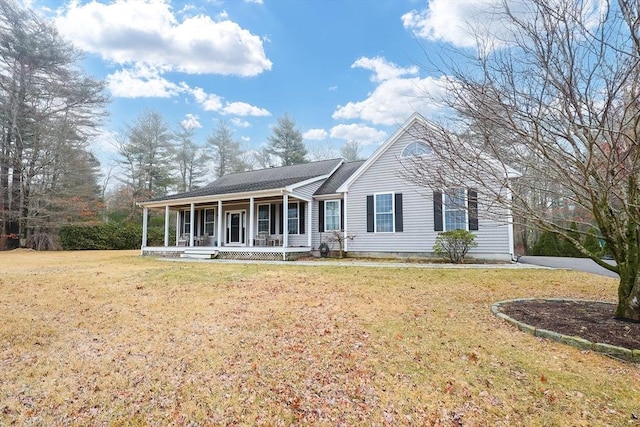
x=178, y=227
x=145, y=215
x=285, y=220
x=166, y=226
x=344, y=221
x=251, y=214
x=309, y=218
x=219, y=223
x=191, y=226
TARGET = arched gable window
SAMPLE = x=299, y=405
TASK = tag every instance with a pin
x=416, y=149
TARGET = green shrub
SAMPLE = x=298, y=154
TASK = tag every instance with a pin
x=567, y=248
x=454, y=245
x=112, y=235
x=547, y=245
x=591, y=242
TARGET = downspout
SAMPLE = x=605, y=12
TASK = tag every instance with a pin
x=512, y=249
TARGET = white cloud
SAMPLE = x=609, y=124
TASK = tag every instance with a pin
x=455, y=22
x=382, y=69
x=239, y=123
x=365, y=135
x=141, y=82
x=254, y=1
x=191, y=121
x=463, y=23
x=395, y=98
x=208, y=102
x=245, y=138
x=244, y=109
x=315, y=134
x=147, y=31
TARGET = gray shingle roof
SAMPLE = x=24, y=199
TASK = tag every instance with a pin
x=263, y=179
x=338, y=178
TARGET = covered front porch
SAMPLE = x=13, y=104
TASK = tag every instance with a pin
x=258, y=226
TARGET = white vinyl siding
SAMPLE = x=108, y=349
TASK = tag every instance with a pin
x=418, y=234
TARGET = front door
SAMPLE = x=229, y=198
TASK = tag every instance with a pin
x=236, y=221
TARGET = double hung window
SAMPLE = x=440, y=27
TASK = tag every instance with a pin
x=384, y=213
x=332, y=215
x=263, y=218
x=292, y=215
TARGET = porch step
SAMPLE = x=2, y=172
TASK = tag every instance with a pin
x=199, y=254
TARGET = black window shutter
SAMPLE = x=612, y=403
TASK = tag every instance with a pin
x=398, y=211
x=272, y=219
x=472, y=208
x=370, y=215
x=321, y=216
x=301, y=217
x=437, y=211
x=341, y=214
x=281, y=208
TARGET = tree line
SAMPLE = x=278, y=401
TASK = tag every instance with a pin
x=49, y=109
x=155, y=160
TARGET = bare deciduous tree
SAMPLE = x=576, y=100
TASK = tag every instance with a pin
x=557, y=99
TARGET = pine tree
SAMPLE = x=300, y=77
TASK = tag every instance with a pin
x=286, y=142
x=226, y=152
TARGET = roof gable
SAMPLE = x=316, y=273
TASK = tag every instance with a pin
x=415, y=118
x=331, y=185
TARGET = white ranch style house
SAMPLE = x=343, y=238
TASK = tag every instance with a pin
x=287, y=212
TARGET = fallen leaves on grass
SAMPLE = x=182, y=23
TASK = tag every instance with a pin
x=108, y=338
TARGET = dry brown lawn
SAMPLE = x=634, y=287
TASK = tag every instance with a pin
x=110, y=338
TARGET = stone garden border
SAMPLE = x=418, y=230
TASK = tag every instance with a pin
x=606, y=349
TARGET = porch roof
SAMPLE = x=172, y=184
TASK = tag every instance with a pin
x=258, y=180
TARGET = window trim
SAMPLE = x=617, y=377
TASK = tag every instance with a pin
x=427, y=150
x=268, y=220
x=393, y=212
x=335, y=216
x=464, y=208
x=297, y=218
x=186, y=219
x=205, y=222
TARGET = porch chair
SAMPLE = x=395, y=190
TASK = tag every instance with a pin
x=275, y=240
x=261, y=238
x=183, y=240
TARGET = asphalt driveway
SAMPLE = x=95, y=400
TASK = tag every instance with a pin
x=579, y=264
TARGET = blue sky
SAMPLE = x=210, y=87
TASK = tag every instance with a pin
x=343, y=69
